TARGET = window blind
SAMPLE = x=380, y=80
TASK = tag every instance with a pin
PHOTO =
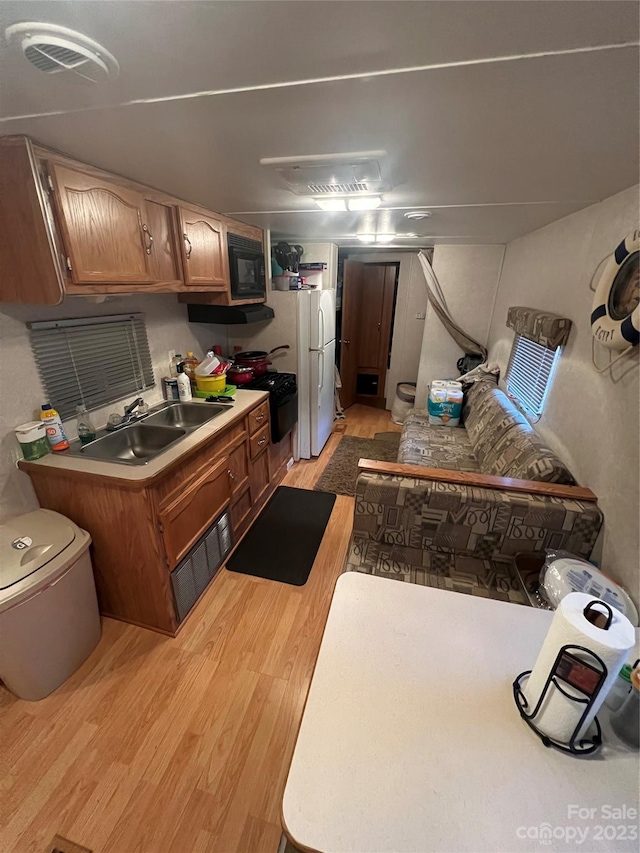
x=93, y=361
x=529, y=373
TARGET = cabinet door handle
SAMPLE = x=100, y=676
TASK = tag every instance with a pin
x=231, y=474
x=262, y=441
x=259, y=418
x=148, y=239
x=345, y=342
x=189, y=246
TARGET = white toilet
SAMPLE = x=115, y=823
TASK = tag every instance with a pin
x=49, y=617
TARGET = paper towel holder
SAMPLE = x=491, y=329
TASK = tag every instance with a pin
x=585, y=676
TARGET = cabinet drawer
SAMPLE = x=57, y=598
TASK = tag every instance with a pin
x=186, y=518
x=259, y=417
x=259, y=442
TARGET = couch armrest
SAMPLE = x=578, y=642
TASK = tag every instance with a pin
x=483, y=481
x=401, y=517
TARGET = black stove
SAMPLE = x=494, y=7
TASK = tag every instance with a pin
x=283, y=401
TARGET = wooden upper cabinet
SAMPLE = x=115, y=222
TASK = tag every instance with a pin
x=161, y=242
x=103, y=228
x=204, y=249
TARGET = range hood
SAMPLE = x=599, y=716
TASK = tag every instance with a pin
x=229, y=315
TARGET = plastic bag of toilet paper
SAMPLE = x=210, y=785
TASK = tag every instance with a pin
x=564, y=572
x=445, y=402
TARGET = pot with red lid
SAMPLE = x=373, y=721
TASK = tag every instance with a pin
x=257, y=359
x=239, y=374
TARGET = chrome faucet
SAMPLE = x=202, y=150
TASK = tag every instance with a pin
x=130, y=416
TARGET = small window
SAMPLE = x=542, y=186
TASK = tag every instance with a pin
x=529, y=374
x=93, y=361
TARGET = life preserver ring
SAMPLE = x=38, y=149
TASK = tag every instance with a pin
x=615, y=314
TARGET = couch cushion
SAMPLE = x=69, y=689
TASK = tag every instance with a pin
x=472, y=396
x=491, y=414
x=522, y=454
x=435, y=446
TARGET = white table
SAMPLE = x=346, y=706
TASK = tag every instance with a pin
x=411, y=741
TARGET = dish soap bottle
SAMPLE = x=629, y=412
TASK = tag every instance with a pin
x=184, y=384
x=54, y=429
x=86, y=429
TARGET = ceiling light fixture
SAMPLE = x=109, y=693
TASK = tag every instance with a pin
x=366, y=238
x=331, y=204
x=385, y=238
x=364, y=202
x=416, y=215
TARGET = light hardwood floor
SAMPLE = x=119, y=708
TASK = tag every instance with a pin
x=182, y=745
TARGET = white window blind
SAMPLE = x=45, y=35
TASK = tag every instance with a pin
x=529, y=374
x=93, y=361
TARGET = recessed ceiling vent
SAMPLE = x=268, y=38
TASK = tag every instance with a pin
x=59, y=50
x=331, y=174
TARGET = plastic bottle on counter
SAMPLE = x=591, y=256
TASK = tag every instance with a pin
x=184, y=385
x=53, y=425
x=625, y=722
x=86, y=429
x=190, y=364
x=173, y=366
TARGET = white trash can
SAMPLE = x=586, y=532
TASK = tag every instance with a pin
x=403, y=402
x=49, y=617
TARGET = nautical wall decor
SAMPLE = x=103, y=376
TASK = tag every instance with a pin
x=615, y=315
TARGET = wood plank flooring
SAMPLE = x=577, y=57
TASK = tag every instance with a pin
x=183, y=745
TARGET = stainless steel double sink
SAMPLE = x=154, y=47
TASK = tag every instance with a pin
x=143, y=440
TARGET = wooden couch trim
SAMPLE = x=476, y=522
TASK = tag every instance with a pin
x=483, y=481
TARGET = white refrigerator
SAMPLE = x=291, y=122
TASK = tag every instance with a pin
x=316, y=373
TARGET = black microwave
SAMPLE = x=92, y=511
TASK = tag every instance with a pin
x=246, y=268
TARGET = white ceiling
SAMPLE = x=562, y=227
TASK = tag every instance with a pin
x=493, y=148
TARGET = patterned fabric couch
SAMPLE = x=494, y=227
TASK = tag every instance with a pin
x=445, y=516
x=496, y=439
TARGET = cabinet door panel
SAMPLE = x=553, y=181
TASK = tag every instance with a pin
x=259, y=477
x=204, y=249
x=161, y=243
x=188, y=516
x=240, y=509
x=238, y=468
x=102, y=228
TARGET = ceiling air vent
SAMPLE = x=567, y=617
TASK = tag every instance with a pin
x=59, y=50
x=342, y=189
x=331, y=174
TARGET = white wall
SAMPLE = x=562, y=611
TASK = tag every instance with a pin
x=468, y=276
x=590, y=420
x=268, y=334
x=21, y=390
x=407, y=328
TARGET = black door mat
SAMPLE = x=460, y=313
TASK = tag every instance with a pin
x=284, y=540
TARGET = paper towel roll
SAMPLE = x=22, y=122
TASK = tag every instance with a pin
x=558, y=715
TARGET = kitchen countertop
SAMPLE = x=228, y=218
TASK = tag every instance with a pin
x=63, y=461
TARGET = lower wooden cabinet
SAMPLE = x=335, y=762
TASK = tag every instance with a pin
x=185, y=519
x=144, y=530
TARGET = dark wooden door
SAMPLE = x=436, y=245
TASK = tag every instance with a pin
x=102, y=225
x=368, y=299
x=351, y=286
x=204, y=249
